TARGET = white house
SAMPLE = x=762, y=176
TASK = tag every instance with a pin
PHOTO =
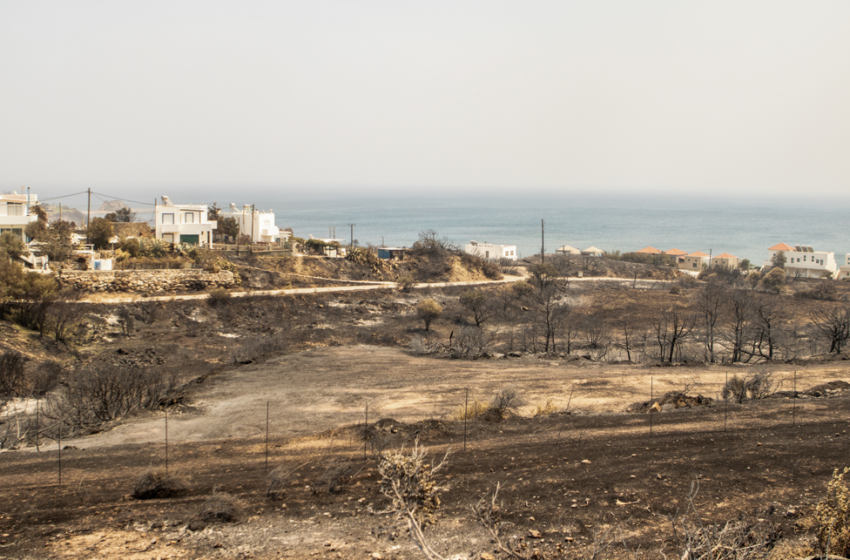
x=592, y=252
x=844, y=270
x=183, y=223
x=491, y=251
x=801, y=261
x=15, y=213
x=567, y=250
x=257, y=224
x=693, y=262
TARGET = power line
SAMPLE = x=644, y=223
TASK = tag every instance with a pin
x=124, y=199
x=65, y=196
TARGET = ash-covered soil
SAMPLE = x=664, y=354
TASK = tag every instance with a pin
x=569, y=476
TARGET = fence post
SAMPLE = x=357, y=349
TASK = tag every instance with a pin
x=366, y=431
x=37, y=427
x=465, y=413
x=59, y=442
x=725, y=403
x=267, y=436
x=166, y=441
x=794, y=406
x=651, y=398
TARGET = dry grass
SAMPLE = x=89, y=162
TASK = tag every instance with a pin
x=475, y=409
x=545, y=409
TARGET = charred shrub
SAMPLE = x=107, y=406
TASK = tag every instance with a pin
x=220, y=506
x=219, y=296
x=157, y=484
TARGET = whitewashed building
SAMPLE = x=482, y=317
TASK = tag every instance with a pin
x=183, y=223
x=491, y=251
x=15, y=213
x=259, y=225
x=844, y=270
x=802, y=261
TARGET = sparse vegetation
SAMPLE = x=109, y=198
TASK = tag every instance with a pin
x=220, y=506
x=428, y=310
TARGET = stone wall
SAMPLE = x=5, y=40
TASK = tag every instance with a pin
x=146, y=281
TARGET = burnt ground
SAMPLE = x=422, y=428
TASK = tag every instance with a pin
x=568, y=476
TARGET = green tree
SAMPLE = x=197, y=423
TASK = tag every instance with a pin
x=778, y=259
x=428, y=310
x=35, y=230
x=56, y=241
x=122, y=215
x=773, y=281
x=11, y=246
x=744, y=264
x=100, y=231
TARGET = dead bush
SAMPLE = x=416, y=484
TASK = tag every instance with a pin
x=12, y=374
x=278, y=480
x=220, y=506
x=409, y=481
x=218, y=296
x=44, y=377
x=335, y=476
x=757, y=386
x=832, y=516
x=505, y=401
x=735, y=540
x=252, y=348
x=157, y=484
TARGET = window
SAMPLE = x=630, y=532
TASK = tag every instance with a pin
x=695, y=265
x=14, y=209
x=189, y=218
x=168, y=219
x=168, y=237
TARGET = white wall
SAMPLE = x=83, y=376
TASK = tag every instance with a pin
x=492, y=251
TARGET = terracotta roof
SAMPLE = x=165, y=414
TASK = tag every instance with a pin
x=781, y=247
x=698, y=254
x=650, y=250
x=725, y=256
x=675, y=252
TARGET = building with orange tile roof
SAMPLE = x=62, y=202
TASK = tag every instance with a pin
x=724, y=260
x=694, y=262
x=675, y=252
x=650, y=251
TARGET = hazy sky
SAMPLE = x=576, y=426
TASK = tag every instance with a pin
x=740, y=97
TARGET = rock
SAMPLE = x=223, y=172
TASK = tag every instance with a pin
x=515, y=354
x=196, y=525
x=568, y=539
x=534, y=534
x=376, y=556
x=667, y=407
x=585, y=462
x=487, y=556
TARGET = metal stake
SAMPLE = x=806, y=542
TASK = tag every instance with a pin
x=267, y=436
x=465, y=413
x=794, y=409
x=651, y=404
x=366, y=431
x=59, y=442
x=166, y=441
x=36, y=426
x=726, y=403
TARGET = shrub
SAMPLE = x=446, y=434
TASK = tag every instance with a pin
x=409, y=481
x=505, y=401
x=218, y=296
x=471, y=411
x=12, y=378
x=406, y=282
x=156, y=484
x=428, y=310
x=220, y=506
x=740, y=389
x=832, y=516
x=277, y=480
x=545, y=409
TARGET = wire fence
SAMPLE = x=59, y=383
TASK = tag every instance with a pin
x=660, y=405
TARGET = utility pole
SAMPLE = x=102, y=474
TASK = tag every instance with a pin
x=709, y=258
x=542, y=241
x=352, y=236
x=88, y=219
x=252, y=228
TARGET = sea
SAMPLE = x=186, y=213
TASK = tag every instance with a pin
x=624, y=221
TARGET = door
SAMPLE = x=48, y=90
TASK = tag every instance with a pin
x=189, y=239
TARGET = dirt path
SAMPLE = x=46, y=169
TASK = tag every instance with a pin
x=360, y=285
x=326, y=388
